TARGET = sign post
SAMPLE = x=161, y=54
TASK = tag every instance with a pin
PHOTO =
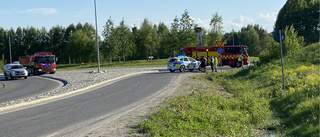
x=279, y=37
x=220, y=51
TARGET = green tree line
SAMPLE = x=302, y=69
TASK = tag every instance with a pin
x=76, y=43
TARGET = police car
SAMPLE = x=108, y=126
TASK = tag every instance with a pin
x=182, y=63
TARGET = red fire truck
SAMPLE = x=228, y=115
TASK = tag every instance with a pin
x=229, y=56
x=40, y=62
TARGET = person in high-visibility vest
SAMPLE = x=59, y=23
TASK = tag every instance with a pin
x=215, y=63
x=211, y=63
x=240, y=62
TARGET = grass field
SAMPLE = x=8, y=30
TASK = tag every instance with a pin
x=115, y=64
x=256, y=103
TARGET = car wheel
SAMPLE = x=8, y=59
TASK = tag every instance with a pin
x=25, y=77
x=182, y=68
x=171, y=70
x=11, y=76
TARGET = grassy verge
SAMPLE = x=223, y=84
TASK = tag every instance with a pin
x=115, y=64
x=256, y=102
x=254, y=59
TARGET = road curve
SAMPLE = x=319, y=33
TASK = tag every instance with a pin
x=20, y=88
x=64, y=115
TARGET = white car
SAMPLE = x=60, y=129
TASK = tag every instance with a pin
x=11, y=71
x=182, y=63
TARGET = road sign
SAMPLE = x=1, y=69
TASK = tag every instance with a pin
x=220, y=50
x=277, y=34
x=219, y=43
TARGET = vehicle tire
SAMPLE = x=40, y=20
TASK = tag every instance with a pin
x=182, y=68
x=238, y=64
x=190, y=69
x=25, y=77
x=35, y=72
x=171, y=70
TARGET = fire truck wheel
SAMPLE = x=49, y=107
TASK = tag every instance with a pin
x=182, y=68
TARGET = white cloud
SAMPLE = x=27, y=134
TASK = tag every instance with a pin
x=202, y=23
x=270, y=17
x=241, y=21
x=45, y=11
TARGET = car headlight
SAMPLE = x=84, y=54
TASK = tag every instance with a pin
x=13, y=72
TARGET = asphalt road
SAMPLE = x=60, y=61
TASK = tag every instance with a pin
x=21, y=88
x=77, y=111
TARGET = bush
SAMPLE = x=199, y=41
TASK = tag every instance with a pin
x=2, y=63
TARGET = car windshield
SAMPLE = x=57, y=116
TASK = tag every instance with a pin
x=172, y=60
x=192, y=60
x=45, y=60
x=16, y=67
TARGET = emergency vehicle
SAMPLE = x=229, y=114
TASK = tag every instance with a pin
x=229, y=56
x=182, y=63
x=40, y=62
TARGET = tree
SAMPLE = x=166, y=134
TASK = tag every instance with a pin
x=174, y=41
x=109, y=48
x=232, y=38
x=163, y=35
x=82, y=46
x=303, y=15
x=42, y=40
x=216, y=31
x=187, y=35
x=30, y=40
x=148, y=42
x=291, y=43
x=3, y=43
x=123, y=39
x=251, y=39
x=56, y=35
x=264, y=37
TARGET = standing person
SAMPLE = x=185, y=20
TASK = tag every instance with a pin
x=211, y=63
x=203, y=64
x=215, y=63
x=240, y=63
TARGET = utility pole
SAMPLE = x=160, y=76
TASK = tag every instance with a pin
x=10, y=49
x=232, y=36
x=95, y=11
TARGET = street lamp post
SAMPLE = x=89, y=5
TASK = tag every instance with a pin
x=95, y=11
x=10, y=49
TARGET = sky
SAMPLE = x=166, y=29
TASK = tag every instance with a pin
x=48, y=13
